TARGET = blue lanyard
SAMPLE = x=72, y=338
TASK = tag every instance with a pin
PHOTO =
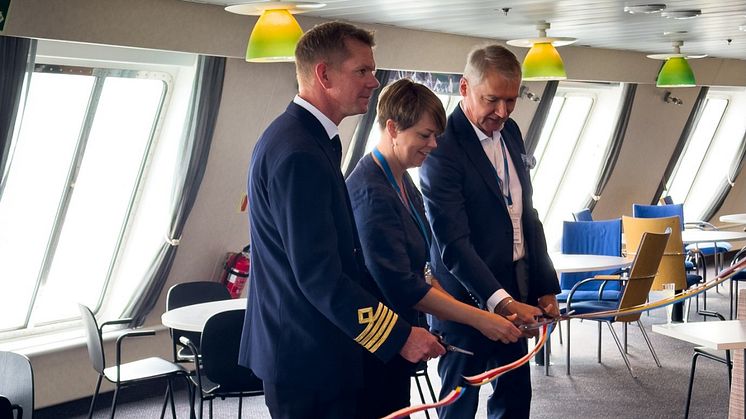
x=506, y=171
x=412, y=210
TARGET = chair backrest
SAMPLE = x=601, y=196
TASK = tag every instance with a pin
x=583, y=215
x=221, y=339
x=591, y=238
x=189, y=293
x=671, y=269
x=659, y=211
x=17, y=381
x=93, y=339
x=643, y=272
x=666, y=200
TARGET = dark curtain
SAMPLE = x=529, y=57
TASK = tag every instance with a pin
x=612, y=152
x=357, y=146
x=16, y=61
x=531, y=139
x=733, y=171
x=697, y=109
x=203, y=111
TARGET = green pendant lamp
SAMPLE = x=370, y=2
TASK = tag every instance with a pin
x=276, y=32
x=676, y=71
x=543, y=62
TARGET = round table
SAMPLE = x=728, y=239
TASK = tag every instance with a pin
x=733, y=218
x=587, y=263
x=710, y=236
x=193, y=318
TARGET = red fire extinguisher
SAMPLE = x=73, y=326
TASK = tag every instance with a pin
x=237, y=271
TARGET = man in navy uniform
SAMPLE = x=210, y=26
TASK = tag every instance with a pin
x=489, y=248
x=310, y=313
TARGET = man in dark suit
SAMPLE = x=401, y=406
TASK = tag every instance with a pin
x=310, y=313
x=489, y=248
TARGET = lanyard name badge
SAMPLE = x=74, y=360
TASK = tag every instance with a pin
x=412, y=211
x=515, y=219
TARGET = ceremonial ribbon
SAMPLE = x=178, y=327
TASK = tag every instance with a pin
x=490, y=375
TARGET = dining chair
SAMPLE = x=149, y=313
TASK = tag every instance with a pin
x=636, y=286
x=190, y=293
x=17, y=383
x=130, y=373
x=217, y=372
x=736, y=279
x=583, y=215
x=723, y=357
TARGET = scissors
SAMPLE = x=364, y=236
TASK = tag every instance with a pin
x=451, y=348
x=545, y=318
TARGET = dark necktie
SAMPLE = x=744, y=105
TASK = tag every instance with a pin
x=337, y=147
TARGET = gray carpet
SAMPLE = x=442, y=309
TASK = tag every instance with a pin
x=592, y=391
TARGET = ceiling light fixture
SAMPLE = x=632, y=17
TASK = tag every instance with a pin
x=676, y=71
x=276, y=32
x=542, y=61
x=644, y=8
x=681, y=14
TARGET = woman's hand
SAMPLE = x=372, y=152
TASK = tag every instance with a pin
x=496, y=327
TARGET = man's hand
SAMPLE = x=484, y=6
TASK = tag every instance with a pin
x=421, y=345
x=523, y=314
x=496, y=327
x=548, y=303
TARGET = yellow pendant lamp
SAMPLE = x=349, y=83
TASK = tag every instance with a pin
x=276, y=32
x=676, y=71
x=542, y=61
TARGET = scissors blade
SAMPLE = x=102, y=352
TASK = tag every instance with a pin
x=451, y=348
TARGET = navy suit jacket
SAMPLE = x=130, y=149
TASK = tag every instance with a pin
x=395, y=250
x=309, y=314
x=473, y=247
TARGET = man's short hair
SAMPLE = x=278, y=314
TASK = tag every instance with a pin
x=326, y=42
x=405, y=102
x=492, y=57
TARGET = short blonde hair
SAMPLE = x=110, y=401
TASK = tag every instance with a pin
x=491, y=57
x=326, y=42
x=405, y=102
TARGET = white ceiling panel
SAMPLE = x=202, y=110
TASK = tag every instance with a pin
x=599, y=23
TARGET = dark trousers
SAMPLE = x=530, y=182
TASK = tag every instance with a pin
x=511, y=392
x=386, y=387
x=293, y=402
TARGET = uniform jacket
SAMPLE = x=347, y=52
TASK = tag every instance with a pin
x=309, y=315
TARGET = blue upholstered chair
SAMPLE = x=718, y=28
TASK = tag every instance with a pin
x=636, y=287
x=583, y=215
x=591, y=238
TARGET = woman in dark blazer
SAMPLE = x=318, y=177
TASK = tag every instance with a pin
x=390, y=218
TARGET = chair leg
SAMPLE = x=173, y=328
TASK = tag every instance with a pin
x=171, y=396
x=240, y=406
x=210, y=407
x=114, y=402
x=567, y=356
x=559, y=331
x=422, y=395
x=599, y=342
x=691, y=384
x=650, y=345
x=165, y=401
x=95, y=395
x=621, y=350
x=430, y=387
x=625, y=338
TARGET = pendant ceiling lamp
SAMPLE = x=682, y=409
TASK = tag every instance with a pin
x=676, y=71
x=543, y=62
x=276, y=32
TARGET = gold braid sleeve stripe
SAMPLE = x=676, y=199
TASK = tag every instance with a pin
x=371, y=323
x=386, y=332
x=376, y=331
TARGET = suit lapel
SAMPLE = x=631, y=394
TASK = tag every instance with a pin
x=317, y=130
x=513, y=143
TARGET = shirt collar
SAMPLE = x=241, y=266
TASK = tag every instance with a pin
x=481, y=136
x=329, y=126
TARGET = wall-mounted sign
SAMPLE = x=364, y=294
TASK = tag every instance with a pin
x=4, y=5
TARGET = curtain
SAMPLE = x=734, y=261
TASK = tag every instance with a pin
x=357, y=146
x=612, y=152
x=733, y=171
x=531, y=139
x=203, y=111
x=16, y=62
x=697, y=109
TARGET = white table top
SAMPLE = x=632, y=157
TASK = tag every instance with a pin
x=586, y=263
x=733, y=218
x=729, y=334
x=704, y=236
x=194, y=317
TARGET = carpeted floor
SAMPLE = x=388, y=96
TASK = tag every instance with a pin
x=592, y=391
